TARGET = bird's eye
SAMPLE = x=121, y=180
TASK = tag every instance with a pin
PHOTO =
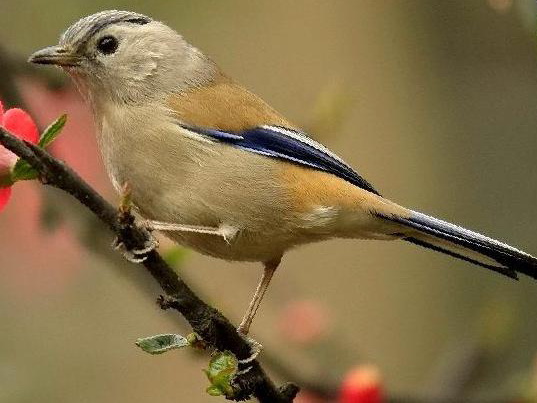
x=107, y=45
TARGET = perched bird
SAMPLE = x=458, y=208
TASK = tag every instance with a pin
x=218, y=170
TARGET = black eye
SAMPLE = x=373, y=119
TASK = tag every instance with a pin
x=107, y=45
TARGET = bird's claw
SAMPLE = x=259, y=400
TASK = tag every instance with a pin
x=136, y=255
x=255, y=349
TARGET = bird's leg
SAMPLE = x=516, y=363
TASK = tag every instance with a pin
x=126, y=218
x=244, y=327
x=270, y=268
x=225, y=231
x=138, y=255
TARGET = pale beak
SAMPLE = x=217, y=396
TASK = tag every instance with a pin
x=55, y=55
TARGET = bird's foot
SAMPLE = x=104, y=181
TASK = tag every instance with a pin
x=137, y=255
x=255, y=349
x=127, y=221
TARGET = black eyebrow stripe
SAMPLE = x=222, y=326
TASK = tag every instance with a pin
x=99, y=27
x=139, y=20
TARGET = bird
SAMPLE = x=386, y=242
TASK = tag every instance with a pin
x=216, y=169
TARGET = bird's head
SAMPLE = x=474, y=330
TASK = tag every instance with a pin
x=126, y=57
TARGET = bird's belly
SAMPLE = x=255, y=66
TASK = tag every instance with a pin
x=245, y=246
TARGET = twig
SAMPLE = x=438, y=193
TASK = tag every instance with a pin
x=206, y=321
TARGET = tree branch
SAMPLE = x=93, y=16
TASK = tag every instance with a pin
x=206, y=321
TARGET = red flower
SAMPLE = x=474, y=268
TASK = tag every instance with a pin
x=24, y=273
x=23, y=126
x=361, y=385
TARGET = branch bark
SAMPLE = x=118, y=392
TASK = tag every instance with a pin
x=205, y=320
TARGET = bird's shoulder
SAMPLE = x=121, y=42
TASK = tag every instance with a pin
x=224, y=111
x=225, y=105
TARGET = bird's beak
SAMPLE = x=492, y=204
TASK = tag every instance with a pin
x=57, y=56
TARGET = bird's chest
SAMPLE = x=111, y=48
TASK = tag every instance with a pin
x=173, y=179
x=113, y=162
x=134, y=152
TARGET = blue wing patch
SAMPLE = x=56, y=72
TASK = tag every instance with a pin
x=290, y=145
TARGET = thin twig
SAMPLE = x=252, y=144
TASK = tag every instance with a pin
x=206, y=321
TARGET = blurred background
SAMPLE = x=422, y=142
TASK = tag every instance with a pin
x=433, y=102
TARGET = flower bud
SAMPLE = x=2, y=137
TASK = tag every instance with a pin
x=361, y=385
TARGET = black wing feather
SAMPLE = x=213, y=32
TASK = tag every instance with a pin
x=290, y=145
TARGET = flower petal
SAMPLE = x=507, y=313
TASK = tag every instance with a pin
x=21, y=124
x=5, y=194
x=7, y=161
x=1, y=111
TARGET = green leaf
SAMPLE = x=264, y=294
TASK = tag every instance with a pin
x=51, y=132
x=222, y=369
x=162, y=343
x=6, y=180
x=23, y=171
x=214, y=391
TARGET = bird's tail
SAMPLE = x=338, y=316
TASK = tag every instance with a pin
x=464, y=244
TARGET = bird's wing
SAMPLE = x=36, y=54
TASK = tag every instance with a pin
x=286, y=144
x=227, y=112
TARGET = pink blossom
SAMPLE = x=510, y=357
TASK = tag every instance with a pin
x=304, y=322
x=21, y=124
x=36, y=262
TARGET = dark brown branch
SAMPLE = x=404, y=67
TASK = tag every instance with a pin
x=206, y=321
